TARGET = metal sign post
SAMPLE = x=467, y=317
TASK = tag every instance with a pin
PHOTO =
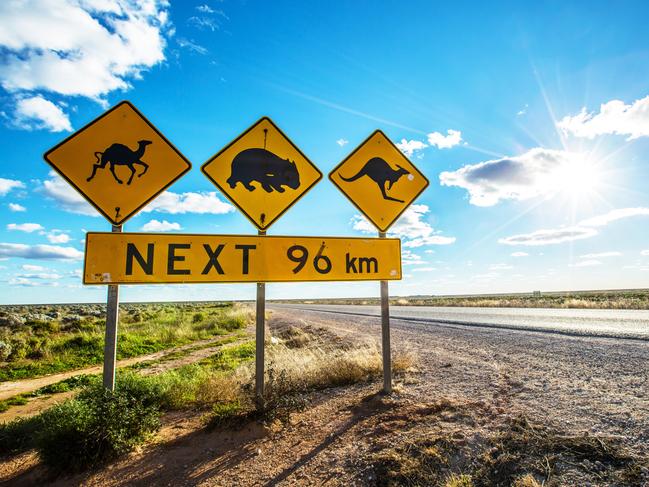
x=385, y=334
x=110, y=340
x=382, y=183
x=260, y=339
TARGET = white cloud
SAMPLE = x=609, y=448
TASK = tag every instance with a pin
x=453, y=138
x=536, y=172
x=79, y=47
x=584, y=229
x=7, y=185
x=424, y=269
x=342, y=142
x=410, y=227
x=15, y=207
x=23, y=281
x=410, y=258
x=160, y=226
x=520, y=254
x=39, y=252
x=65, y=196
x=201, y=203
x=57, y=236
x=42, y=275
x=168, y=202
x=587, y=263
x=38, y=113
x=500, y=267
x=644, y=252
x=600, y=255
x=549, y=236
x=32, y=268
x=409, y=147
x=25, y=227
x=205, y=9
x=191, y=45
x=613, y=215
x=614, y=117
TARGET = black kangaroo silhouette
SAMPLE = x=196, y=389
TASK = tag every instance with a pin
x=261, y=165
x=120, y=155
x=381, y=173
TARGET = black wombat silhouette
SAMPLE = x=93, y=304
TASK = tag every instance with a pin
x=381, y=173
x=121, y=155
x=268, y=169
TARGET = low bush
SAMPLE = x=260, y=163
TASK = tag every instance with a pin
x=18, y=435
x=99, y=424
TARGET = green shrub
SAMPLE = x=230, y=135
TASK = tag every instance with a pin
x=66, y=385
x=19, y=349
x=45, y=327
x=198, y=317
x=99, y=424
x=5, y=350
x=18, y=435
x=233, y=321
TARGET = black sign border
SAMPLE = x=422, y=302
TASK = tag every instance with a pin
x=223, y=192
x=385, y=229
x=88, y=125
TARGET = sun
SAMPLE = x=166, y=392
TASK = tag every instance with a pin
x=579, y=176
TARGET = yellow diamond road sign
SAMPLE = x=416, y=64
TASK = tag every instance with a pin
x=262, y=172
x=379, y=180
x=119, y=162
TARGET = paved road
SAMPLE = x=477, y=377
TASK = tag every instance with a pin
x=629, y=324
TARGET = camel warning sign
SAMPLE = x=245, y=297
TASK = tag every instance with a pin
x=148, y=258
x=119, y=162
x=379, y=180
x=262, y=172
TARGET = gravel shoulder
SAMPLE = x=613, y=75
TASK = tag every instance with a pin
x=585, y=384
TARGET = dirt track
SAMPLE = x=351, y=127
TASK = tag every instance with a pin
x=35, y=405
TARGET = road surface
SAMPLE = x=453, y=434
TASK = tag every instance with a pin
x=605, y=323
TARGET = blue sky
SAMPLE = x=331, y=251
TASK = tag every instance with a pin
x=530, y=120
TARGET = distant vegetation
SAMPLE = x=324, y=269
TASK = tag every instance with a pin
x=41, y=340
x=616, y=299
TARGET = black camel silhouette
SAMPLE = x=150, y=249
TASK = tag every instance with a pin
x=381, y=173
x=120, y=155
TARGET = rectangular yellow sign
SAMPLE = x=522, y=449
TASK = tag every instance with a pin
x=149, y=258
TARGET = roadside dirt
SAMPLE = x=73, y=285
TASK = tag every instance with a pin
x=38, y=404
x=469, y=388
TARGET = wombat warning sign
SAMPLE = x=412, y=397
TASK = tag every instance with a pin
x=262, y=172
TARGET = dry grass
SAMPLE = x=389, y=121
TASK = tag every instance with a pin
x=516, y=453
x=461, y=480
x=299, y=360
x=526, y=481
x=317, y=360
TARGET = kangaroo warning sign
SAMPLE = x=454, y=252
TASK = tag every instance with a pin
x=262, y=172
x=379, y=180
x=146, y=258
x=118, y=162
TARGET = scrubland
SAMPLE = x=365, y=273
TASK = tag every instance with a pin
x=616, y=299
